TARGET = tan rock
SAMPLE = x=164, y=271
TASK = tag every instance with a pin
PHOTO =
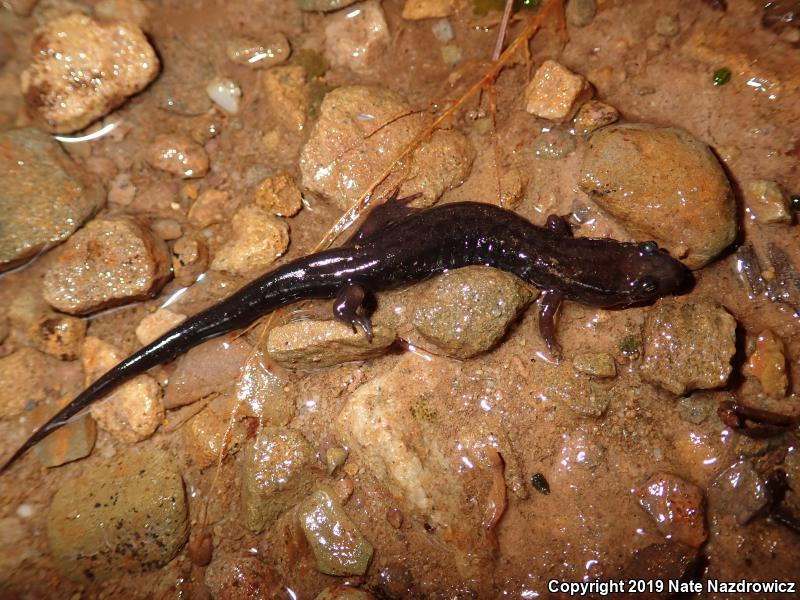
x=315, y=344
x=357, y=38
x=177, y=155
x=83, y=69
x=662, y=184
x=204, y=435
x=59, y=335
x=133, y=411
x=414, y=10
x=271, y=49
x=210, y=207
x=284, y=89
x=156, y=324
x=767, y=363
x=26, y=376
x=189, y=259
x=766, y=202
x=555, y=92
x=109, y=262
x=258, y=240
x=593, y=115
x=279, y=195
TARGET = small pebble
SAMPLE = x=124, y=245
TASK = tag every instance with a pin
x=258, y=240
x=25, y=511
x=225, y=93
x=593, y=115
x=155, y=325
x=395, y=517
x=581, y=13
x=766, y=202
x=335, y=458
x=210, y=207
x=452, y=54
x=273, y=49
x=677, y=508
x=166, y=229
x=178, y=155
x=667, y=25
x=279, y=195
x=540, y=484
x=768, y=364
x=189, y=259
x=59, y=335
x=443, y=30
x=553, y=144
x=555, y=92
x=597, y=364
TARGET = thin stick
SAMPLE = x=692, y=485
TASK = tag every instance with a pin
x=501, y=33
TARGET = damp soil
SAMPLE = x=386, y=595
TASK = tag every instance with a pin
x=578, y=518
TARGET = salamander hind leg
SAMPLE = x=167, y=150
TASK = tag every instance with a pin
x=346, y=305
x=382, y=216
x=558, y=225
x=548, y=307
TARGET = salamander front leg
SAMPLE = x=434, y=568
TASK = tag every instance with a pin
x=558, y=225
x=345, y=309
x=548, y=307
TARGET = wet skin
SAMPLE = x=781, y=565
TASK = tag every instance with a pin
x=398, y=245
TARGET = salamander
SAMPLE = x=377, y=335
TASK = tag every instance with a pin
x=398, y=245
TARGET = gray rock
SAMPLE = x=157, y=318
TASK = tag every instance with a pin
x=662, y=184
x=276, y=475
x=739, y=490
x=338, y=546
x=468, y=310
x=313, y=344
x=44, y=196
x=129, y=515
x=688, y=345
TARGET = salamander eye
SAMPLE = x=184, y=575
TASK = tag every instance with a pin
x=648, y=249
x=646, y=285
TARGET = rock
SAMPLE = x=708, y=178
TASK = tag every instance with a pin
x=739, y=491
x=277, y=473
x=443, y=30
x=279, y=195
x=688, y=345
x=662, y=184
x=189, y=259
x=452, y=54
x=468, y=310
x=212, y=367
x=83, y=69
x=593, y=115
x=262, y=391
x=340, y=591
x=44, y=196
x=128, y=515
x=441, y=163
x=205, y=433
x=258, y=240
x=555, y=92
x=273, y=49
x=677, y=508
x=512, y=188
x=323, y=5
x=597, y=364
x=667, y=562
x=177, y=155
x=15, y=548
x=359, y=132
x=109, y=262
x=167, y=229
x=358, y=38
x=232, y=577
x=668, y=25
x=581, y=452
x=59, y=335
x=311, y=344
x=73, y=441
x=553, y=144
x=766, y=202
x=133, y=11
x=27, y=376
x=284, y=89
x=767, y=363
x=225, y=93
x=581, y=13
x=156, y=324
x=131, y=412
x=339, y=548
x=210, y=207
x=699, y=406
x=414, y=10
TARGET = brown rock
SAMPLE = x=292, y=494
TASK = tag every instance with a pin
x=279, y=195
x=767, y=363
x=178, y=155
x=271, y=49
x=232, y=577
x=156, y=324
x=26, y=376
x=593, y=115
x=44, y=196
x=677, y=508
x=414, y=10
x=210, y=207
x=663, y=184
x=766, y=202
x=284, y=89
x=109, y=262
x=258, y=240
x=205, y=433
x=316, y=344
x=83, y=69
x=688, y=345
x=356, y=39
x=59, y=335
x=73, y=441
x=555, y=92
x=740, y=491
x=189, y=259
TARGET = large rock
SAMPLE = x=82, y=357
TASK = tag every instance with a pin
x=82, y=69
x=662, y=184
x=109, y=262
x=360, y=131
x=128, y=515
x=44, y=196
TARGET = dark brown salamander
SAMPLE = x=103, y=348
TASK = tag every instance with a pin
x=398, y=245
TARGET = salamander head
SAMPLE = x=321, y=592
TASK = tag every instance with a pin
x=651, y=273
